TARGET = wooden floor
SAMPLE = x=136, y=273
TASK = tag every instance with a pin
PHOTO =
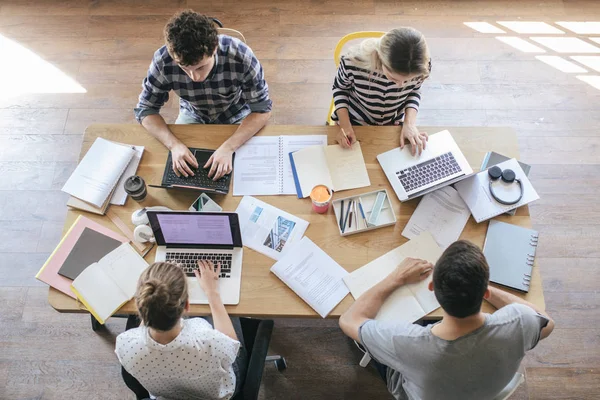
x=106, y=46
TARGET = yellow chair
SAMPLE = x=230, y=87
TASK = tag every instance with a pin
x=338, y=52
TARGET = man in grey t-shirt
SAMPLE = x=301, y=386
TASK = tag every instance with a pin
x=469, y=354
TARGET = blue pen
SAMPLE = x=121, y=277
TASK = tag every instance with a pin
x=362, y=212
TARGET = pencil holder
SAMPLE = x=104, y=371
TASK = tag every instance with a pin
x=353, y=220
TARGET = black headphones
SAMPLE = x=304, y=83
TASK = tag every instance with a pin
x=508, y=176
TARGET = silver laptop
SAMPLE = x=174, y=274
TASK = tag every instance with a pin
x=185, y=237
x=440, y=164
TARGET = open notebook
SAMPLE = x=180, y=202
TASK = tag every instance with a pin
x=332, y=166
x=105, y=286
x=409, y=302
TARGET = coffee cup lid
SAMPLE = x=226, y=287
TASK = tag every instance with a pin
x=134, y=183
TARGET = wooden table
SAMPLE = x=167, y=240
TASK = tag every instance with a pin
x=263, y=294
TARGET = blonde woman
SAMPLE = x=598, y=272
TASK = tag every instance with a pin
x=174, y=358
x=378, y=83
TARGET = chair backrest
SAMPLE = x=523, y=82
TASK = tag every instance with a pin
x=511, y=387
x=232, y=33
x=337, y=55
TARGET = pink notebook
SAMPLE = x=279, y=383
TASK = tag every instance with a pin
x=49, y=272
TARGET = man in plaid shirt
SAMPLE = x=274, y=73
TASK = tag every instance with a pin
x=218, y=80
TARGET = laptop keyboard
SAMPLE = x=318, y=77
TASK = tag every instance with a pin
x=428, y=171
x=200, y=179
x=189, y=262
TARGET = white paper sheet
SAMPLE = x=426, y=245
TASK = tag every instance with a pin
x=267, y=229
x=476, y=193
x=312, y=275
x=262, y=164
x=410, y=302
x=443, y=213
x=98, y=172
x=120, y=196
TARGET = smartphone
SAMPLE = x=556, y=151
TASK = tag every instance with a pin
x=204, y=203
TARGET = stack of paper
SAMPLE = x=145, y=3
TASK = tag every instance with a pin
x=98, y=179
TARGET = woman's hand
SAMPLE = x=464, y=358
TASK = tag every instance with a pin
x=346, y=137
x=418, y=140
x=208, y=277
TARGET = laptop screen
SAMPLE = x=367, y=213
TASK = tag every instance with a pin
x=195, y=228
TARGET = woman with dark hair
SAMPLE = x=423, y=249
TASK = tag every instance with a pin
x=175, y=358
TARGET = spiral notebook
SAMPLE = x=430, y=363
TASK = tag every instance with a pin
x=262, y=164
x=510, y=253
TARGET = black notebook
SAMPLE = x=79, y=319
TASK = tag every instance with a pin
x=510, y=253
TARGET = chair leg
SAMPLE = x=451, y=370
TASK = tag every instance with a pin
x=279, y=362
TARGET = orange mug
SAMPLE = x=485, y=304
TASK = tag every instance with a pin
x=321, y=198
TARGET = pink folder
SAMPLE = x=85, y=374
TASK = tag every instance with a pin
x=49, y=272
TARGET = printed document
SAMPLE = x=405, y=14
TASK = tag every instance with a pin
x=120, y=196
x=312, y=275
x=267, y=229
x=443, y=213
x=409, y=302
x=262, y=165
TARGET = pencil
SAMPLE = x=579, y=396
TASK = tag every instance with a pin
x=346, y=136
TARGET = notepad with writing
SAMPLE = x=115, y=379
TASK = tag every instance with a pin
x=409, y=302
x=332, y=166
x=312, y=275
x=105, y=286
x=510, y=253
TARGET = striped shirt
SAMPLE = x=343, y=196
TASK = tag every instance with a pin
x=234, y=88
x=371, y=98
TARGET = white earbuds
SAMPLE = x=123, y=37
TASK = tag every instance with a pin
x=143, y=233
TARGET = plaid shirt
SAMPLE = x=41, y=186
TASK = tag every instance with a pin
x=234, y=88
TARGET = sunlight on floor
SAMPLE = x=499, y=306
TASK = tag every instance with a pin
x=530, y=27
x=484, y=27
x=520, y=44
x=561, y=64
x=581, y=28
x=566, y=44
x=28, y=73
x=553, y=44
x=592, y=62
x=593, y=80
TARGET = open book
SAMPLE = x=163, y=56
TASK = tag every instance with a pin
x=409, y=302
x=105, y=286
x=97, y=174
x=312, y=275
x=332, y=166
x=262, y=164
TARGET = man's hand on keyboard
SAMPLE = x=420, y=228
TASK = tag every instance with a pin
x=182, y=159
x=220, y=163
x=208, y=277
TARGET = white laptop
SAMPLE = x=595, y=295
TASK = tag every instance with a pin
x=440, y=164
x=185, y=237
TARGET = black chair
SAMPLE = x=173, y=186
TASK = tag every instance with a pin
x=257, y=336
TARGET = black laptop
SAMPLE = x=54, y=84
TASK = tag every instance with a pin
x=200, y=181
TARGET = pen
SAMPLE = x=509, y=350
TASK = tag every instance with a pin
x=356, y=213
x=426, y=271
x=350, y=223
x=347, y=214
x=342, y=215
x=346, y=136
x=362, y=211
